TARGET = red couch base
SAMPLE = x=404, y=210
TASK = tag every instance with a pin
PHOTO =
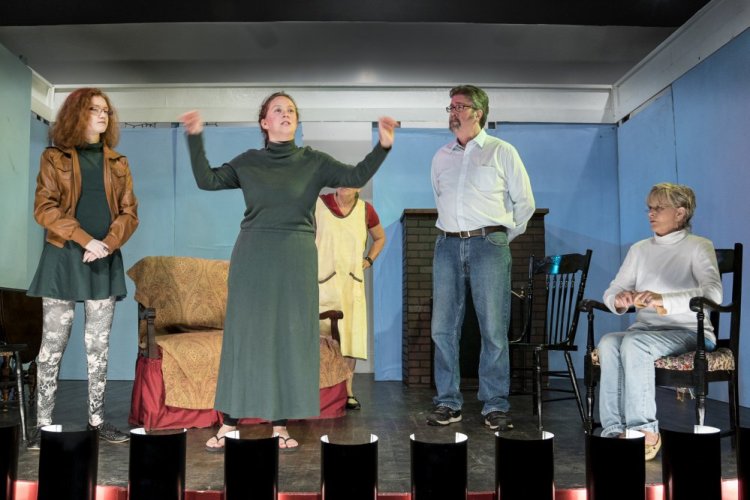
x=147, y=408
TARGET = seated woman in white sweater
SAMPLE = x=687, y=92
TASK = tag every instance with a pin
x=659, y=277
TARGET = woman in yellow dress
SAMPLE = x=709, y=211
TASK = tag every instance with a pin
x=343, y=222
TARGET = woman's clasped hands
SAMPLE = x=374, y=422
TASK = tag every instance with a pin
x=95, y=249
x=640, y=300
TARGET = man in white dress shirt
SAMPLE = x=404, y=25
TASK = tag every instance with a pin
x=484, y=200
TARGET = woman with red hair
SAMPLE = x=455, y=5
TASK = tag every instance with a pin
x=84, y=200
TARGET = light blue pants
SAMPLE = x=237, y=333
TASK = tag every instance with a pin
x=627, y=390
x=481, y=264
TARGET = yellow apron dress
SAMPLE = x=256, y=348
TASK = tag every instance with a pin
x=341, y=245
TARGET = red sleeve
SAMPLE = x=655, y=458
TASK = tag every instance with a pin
x=371, y=216
x=329, y=200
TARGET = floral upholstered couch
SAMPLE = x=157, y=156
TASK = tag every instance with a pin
x=181, y=309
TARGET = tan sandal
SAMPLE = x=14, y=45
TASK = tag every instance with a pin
x=653, y=449
x=220, y=440
x=286, y=448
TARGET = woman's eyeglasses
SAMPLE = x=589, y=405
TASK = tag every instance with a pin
x=97, y=111
x=656, y=209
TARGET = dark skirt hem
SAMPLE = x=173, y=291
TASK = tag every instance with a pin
x=62, y=274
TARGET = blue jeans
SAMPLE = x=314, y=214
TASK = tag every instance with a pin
x=627, y=392
x=481, y=264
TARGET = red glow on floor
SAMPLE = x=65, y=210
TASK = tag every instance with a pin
x=27, y=490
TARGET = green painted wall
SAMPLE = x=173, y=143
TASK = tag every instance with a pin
x=15, y=203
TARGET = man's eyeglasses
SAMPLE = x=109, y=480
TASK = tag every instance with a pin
x=96, y=111
x=458, y=107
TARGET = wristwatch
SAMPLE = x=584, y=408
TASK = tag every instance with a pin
x=368, y=259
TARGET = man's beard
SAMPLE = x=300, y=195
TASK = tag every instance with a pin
x=454, y=123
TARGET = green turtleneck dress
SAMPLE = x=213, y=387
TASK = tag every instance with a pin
x=270, y=353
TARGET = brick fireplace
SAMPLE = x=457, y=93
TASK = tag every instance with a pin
x=419, y=233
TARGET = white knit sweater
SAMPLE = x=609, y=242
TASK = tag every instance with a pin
x=679, y=266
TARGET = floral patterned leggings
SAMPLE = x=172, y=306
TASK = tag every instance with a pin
x=57, y=323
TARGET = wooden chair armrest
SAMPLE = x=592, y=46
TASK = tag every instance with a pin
x=589, y=305
x=698, y=304
x=334, y=316
x=148, y=314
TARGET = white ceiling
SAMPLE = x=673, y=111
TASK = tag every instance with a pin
x=331, y=53
x=541, y=60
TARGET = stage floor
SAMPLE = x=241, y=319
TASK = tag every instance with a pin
x=392, y=412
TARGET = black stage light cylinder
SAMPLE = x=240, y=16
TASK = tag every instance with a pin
x=525, y=467
x=743, y=462
x=157, y=465
x=438, y=469
x=691, y=464
x=251, y=468
x=68, y=461
x=9, y=435
x=349, y=471
x=616, y=467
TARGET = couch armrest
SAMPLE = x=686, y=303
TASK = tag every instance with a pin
x=148, y=314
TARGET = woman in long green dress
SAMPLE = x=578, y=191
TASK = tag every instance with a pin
x=270, y=355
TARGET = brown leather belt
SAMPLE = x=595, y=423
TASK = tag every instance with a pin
x=482, y=231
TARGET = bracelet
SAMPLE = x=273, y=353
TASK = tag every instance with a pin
x=368, y=259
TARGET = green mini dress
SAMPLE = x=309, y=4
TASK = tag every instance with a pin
x=61, y=273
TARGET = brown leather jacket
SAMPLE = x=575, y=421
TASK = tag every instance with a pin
x=58, y=189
